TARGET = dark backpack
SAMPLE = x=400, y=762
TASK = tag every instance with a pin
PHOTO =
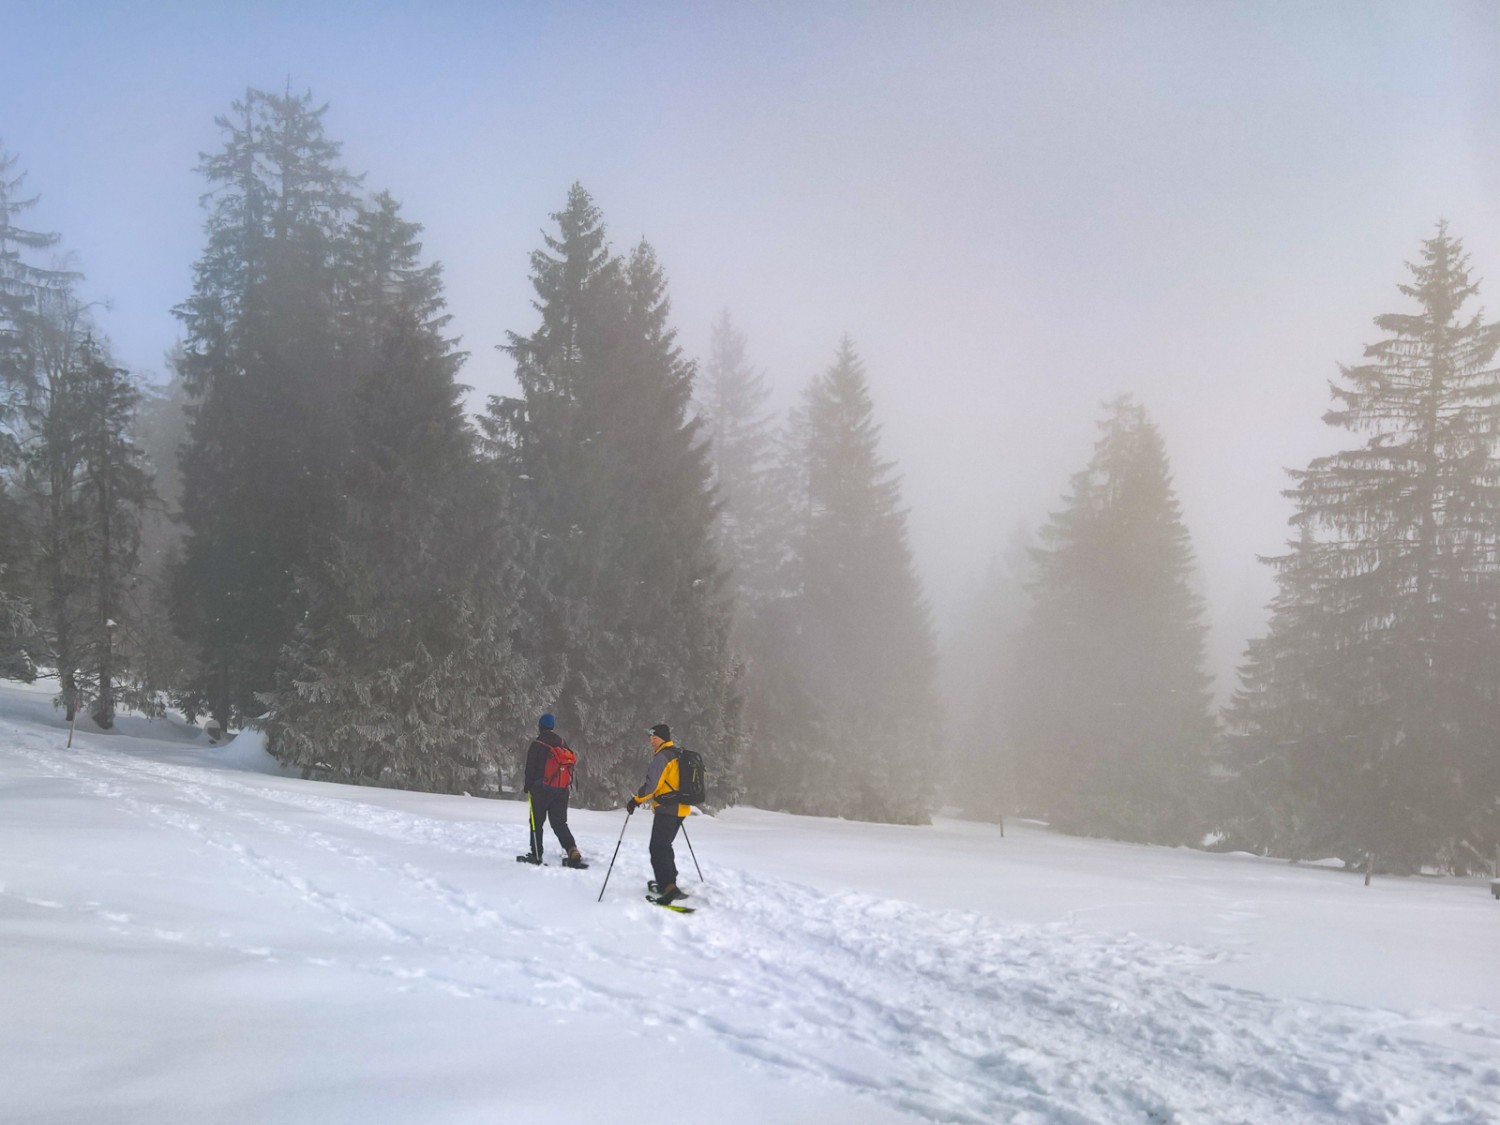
x=557, y=771
x=692, y=783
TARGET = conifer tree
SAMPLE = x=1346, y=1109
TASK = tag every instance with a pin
x=16, y=634
x=115, y=489
x=86, y=486
x=732, y=404
x=753, y=530
x=625, y=592
x=681, y=609
x=161, y=660
x=27, y=290
x=267, y=441
x=24, y=288
x=1112, y=727
x=1368, y=718
x=856, y=634
x=403, y=671
x=53, y=421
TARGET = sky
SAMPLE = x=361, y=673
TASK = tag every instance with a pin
x=1017, y=211
x=190, y=937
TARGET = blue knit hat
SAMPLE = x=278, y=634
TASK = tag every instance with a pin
x=546, y=722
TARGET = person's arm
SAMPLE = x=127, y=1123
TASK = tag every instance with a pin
x=653, y=777
x=536, y=757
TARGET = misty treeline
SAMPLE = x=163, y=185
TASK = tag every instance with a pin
x=305, y=532
x=1366, y=722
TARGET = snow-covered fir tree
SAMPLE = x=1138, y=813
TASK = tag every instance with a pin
x=16, y=633
x=1368, y=719
x=265, y=456
x=732, y=400
x=84, y=486
x=115, y=489
x=754, y=525
x=28, y=288
x=858, y=731
x=25, y=284
x=403, y=672
x=52, y=488
x=160, y=658
x=72, y=483
x=1111, y=725
x=628, y=600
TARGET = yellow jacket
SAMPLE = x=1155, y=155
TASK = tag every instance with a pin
x=662, y=781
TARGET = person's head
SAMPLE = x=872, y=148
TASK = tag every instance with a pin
x=660, y=733
x=546, y=722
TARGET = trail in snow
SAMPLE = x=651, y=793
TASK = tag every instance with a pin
x=942, y=1015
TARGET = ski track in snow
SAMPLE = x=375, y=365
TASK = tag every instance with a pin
x=943, y=1015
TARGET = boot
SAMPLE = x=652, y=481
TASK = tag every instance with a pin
x=668, y=895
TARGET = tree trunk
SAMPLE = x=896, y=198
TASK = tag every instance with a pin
x=69, y=686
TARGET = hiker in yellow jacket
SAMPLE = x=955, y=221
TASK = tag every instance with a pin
x=661, y=788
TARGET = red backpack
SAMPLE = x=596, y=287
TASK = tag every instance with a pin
x=558, y=770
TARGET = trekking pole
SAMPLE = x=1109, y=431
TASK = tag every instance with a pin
x=690, y=849
x=531, y=847
x=615, y=856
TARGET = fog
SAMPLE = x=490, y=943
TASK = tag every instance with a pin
x=1017, y=211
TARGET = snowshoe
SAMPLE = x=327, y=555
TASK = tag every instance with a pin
x=533, y=859
x=655, y=890
x=658, y=900
x=576, y=862
x=666, y=897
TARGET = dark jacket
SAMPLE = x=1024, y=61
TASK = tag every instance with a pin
x=537, y=756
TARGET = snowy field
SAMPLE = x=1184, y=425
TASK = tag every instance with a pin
x=186, y=936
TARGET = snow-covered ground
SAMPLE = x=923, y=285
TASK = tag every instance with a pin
x=186, y=936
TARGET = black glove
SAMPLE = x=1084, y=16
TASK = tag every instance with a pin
x=630, y=805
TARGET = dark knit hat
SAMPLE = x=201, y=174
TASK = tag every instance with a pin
x=662, y=731
x=546, y=722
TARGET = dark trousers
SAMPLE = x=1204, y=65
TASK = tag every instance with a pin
x=549, y=803
x=664, y=826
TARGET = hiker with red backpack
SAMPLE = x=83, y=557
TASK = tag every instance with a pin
x=549, y=774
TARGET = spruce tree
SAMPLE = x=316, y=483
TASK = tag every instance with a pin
x=403, y=672
x=1111, y=721
x=28, y=290
x=162, y=660
x=17, y=632
x=52, y=474
x=25, y=286
x=732, y=402
x=86, y=486
x=681, y=609
x=115, y=490
x=626, y=596
x=1368, y=718
x=855, y=634
x=267, y=442
x=753, y=527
